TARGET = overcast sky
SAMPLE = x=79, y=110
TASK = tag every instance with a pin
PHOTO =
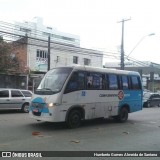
x=96, y=22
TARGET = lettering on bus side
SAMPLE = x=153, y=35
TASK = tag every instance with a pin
x=108, y=95
x=120, y=95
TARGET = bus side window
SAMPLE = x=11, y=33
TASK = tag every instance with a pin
x=95, y=81
x=125, y=84
x=107, y=82
x=81, y=81
x=113, y=81
x=76, y=82
x=89, y=81
x=135, y=83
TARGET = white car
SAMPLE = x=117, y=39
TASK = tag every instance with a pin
x=15, y=99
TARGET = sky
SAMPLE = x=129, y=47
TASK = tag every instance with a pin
x=97, y=22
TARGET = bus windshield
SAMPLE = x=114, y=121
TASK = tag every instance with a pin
x=53, y=81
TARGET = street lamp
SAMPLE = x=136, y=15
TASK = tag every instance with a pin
x=135, y=48
x=152, y=34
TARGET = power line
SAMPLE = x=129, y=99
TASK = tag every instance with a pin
x=52, y=41
x=109, y=54
x=59, y=44
x=36, y=32
x=113, y=55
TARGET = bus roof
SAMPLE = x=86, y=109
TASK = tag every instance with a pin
x=102, y=70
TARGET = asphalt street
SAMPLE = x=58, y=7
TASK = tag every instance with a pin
x=140, y=133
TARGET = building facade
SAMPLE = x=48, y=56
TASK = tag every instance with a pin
x=37, y=29
x=60, y=55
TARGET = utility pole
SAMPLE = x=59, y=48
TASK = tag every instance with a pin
x=122, y=43
x=49, y=51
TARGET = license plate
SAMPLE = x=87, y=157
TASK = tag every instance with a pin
x=35, y=110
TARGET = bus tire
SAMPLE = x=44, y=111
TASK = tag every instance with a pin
x=123, y=115
x=25, y=108
x=74, y=119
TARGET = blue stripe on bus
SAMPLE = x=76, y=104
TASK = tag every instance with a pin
x=41, y=105
x=133, y=99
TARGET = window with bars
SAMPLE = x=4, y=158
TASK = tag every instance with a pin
x=41, y=53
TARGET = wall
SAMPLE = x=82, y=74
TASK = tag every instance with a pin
x=65, y=54
x=13, y=81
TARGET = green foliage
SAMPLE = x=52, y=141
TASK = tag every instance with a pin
x=8, y=63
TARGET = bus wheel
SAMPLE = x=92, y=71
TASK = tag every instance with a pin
x=25, y=108
x=74, y=119
x=123, y=115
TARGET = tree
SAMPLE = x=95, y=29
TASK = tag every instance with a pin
x=8, y=61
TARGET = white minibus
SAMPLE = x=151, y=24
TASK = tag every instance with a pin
x=75, y=93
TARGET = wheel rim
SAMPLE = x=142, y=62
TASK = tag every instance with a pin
x=26, y=108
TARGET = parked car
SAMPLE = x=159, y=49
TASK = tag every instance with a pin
x=146, y=91
x=15, y=99
x=151, y=99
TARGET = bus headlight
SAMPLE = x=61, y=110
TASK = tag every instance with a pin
x=50, y=105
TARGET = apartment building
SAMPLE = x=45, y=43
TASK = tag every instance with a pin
x=37, y=29
x=64, y=47
x=34, y=55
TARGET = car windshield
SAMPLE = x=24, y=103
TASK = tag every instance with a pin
x=27, y=93
x=53, y=81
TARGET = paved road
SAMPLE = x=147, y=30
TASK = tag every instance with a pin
x=140, y=133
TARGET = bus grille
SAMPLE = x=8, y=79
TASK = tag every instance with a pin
x=37, y=105
x=36, y=113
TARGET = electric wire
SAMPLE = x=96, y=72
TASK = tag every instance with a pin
x=9, y=26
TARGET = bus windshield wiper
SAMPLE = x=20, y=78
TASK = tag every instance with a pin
x=46, y=89
x=43, y=91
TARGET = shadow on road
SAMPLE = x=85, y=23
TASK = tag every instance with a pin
x=10, y=111
x=50, y=126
